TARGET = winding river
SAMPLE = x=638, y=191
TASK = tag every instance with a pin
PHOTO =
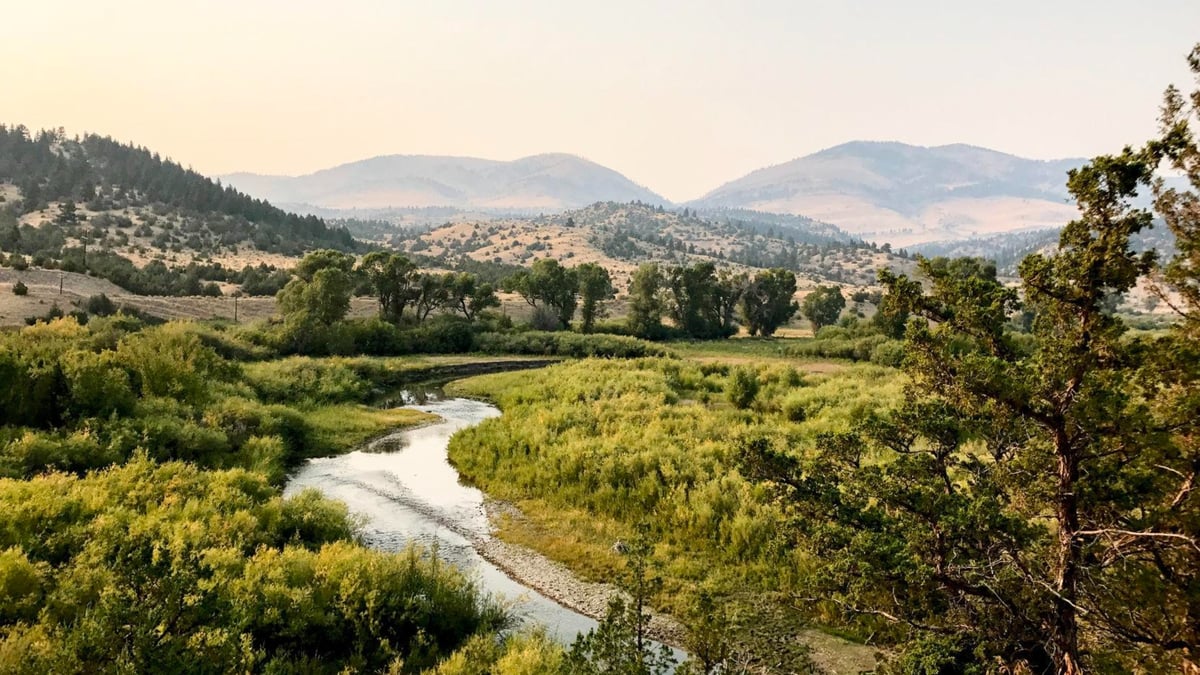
x=407, y=492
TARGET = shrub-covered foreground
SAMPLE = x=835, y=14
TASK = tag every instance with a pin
x=168, y=568
x=143, y=529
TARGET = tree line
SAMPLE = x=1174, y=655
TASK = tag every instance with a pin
x=703, y=302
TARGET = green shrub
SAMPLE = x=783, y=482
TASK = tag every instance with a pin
x=230, y=341
x=171, y=361
x=303, y=379
x=793, y=409
x=173, y=566
x=566, y=344
x=99, y=305
x=544, y=319
x=55, y=312
x=33, y=453
x=837, y=342
x=742, y=388
x=442, y=335
x=890, y=353
x=98, y=383
x=20, y=288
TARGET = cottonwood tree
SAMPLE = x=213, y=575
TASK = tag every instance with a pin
x=394, y=278
x=730, y=288
x=320, y=290
x=767, y=302
x=823, y=306
x=646, y=304
x=432, y=292
x=695, y=296
x=467, y=295
x=595, y=287
x=548, y=284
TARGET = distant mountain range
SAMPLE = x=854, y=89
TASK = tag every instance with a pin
x=549, y=182
x=904, y=194
x=879, y=191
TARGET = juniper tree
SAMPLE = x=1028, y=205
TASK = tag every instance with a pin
x=1031, y=505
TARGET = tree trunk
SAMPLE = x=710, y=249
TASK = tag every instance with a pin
x=1065, y=634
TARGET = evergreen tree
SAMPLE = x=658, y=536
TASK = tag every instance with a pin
x=1035, y=511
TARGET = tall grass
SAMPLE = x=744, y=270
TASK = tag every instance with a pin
x=656, y=441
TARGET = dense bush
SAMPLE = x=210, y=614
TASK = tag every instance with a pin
x=566, y=344
x=166, y=567
x=99, y=305
x=743, y=387
x=306, y=379
x=144, y=529
x=439, y=335
x=854, y=341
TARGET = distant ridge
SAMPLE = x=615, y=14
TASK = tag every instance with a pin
x=905, y=194
x=549, y=182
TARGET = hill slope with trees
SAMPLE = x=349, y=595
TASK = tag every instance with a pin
x=123, y=213
x=621, y=236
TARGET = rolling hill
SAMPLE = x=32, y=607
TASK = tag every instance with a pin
x=905, y=194
x=547, y=182
x=621, y=236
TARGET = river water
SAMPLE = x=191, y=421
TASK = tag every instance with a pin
x=406, y=491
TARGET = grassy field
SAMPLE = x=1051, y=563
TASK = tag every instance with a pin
x=591, y=450
x=754, y=350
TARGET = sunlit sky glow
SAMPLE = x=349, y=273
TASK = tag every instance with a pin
x=679, y=96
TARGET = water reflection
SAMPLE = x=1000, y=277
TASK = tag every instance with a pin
x=407, y=492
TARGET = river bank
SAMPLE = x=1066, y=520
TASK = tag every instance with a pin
x=406, y=492
x=830, y=653
x=558, y=583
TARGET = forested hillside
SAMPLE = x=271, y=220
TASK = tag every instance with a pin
x=103, y=173
x=120, y=212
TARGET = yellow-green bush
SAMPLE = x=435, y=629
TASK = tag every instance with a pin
x=174, y=566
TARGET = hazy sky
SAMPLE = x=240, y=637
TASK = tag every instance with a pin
x=679, y=96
